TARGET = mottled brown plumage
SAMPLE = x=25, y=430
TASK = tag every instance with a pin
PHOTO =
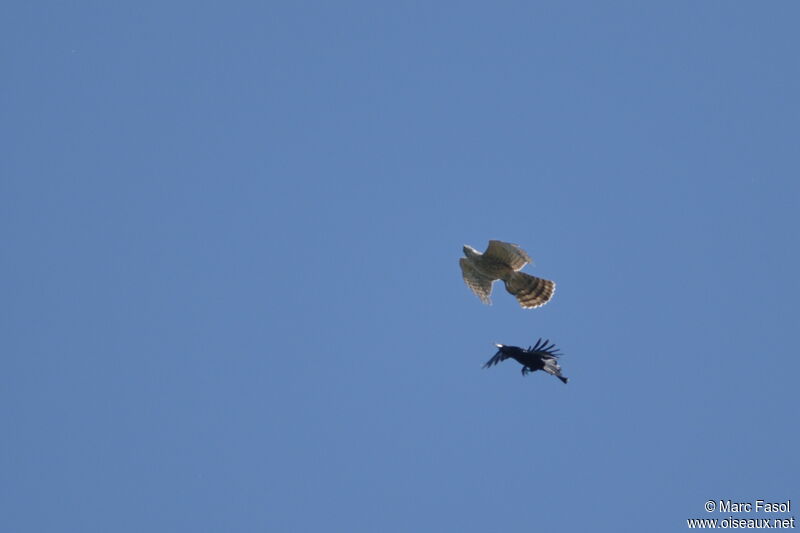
x=502, y=261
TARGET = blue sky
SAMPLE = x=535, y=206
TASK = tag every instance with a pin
x=230, y=264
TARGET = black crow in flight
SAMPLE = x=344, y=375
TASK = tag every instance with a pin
x=538, y=357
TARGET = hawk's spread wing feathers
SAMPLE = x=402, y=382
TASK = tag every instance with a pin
x=508, y=253
x=478, y=283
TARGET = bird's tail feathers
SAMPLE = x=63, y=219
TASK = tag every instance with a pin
x=529, y=290
x=552, y=367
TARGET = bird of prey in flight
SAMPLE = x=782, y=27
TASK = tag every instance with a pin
x=503, y=260
x=537, y=357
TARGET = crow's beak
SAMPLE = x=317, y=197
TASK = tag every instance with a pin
x=498, y=345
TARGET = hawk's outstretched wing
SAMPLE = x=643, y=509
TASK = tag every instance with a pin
x=508, y=253
x=477, y=282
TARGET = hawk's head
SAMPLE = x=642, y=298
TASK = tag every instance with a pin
x=469, y=251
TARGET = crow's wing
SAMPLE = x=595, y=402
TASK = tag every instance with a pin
x=542, y=349
x=499, y=357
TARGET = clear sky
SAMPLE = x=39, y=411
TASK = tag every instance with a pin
x=231, y=294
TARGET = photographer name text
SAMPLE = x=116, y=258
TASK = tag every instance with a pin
x=759, y=506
